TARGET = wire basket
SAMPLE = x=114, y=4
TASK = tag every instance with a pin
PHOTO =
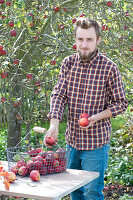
x=22, y=160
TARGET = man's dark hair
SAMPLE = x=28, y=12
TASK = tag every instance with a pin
x=86, y=23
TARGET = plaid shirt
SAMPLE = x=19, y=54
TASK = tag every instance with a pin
x=90, y=87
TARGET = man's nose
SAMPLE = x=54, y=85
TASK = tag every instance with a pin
x=84, y=44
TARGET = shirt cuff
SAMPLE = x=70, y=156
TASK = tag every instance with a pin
x=55, y=115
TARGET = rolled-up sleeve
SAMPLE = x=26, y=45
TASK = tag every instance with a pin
x=58, y=98
x=116, y=91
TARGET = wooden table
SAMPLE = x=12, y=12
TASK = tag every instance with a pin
x=50, y=187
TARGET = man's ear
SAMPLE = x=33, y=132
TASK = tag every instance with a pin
x=99, y=40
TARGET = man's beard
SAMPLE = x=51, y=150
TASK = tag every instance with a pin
x=86, y=56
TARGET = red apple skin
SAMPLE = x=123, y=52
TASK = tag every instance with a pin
x=23, y=171
x=3, y=99
x=21, y=163
x=11, y=24
x=109, y=3
x=84, y=122
x=74, y=20
x=38, y=158
x=35, y=175
x=43, y=171
x=16, y=62
x=74, y=46
x=11, y=177
x=29, y=76
x=2, y=52
x=13, y=33
x=84, y=115
x=3, y=74
x=50, y=141
x=56, y=9
x=14, y=169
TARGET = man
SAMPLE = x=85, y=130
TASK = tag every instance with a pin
x=88, y=82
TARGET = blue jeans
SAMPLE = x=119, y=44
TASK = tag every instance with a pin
x=90, y=160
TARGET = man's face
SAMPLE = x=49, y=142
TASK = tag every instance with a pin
x=86, y=42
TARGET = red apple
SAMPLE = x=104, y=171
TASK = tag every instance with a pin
x=74, y=46
x=38, y=158
x=11, y=177
x=56, y=9
x=112, y=187
x=74, y=20
x=83, y=15
x=14, y=169
x=33, y=152
x=38, y=83
x=127, y=14
x=29, y=76
x=2, y=52
x=21, y=163
x=131, y=48
x=0, y=12
x=13, y=33
x=11, y=24
x=35, y=37
x=84, y=115
x=16, y=62
x=106, y=188
x=52, y=62
x=45, y=16
x=2, y=1
x=31, y=24
x=3, y=99
x=50, y=170
x=109, y=3
x=30, y=14
x=61, y=26
x=23, y=171
x=35, y=175
x=43, y=171
x=84, y=122
x=56, y=163
x=125, y=27
x=3, y=74
x=38, y=164
x=104, y=27
x=39, y=150
x=8, y=3
x=50, y=141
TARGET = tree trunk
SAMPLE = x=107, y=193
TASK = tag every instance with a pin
x=14, y=110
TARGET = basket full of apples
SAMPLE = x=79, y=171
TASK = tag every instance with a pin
x=37, y=160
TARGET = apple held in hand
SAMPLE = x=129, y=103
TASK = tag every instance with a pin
x=50, y=141
x=84, y=115
x=35, y=175
x=84, y=122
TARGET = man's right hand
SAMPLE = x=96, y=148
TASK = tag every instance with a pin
x=52, y=131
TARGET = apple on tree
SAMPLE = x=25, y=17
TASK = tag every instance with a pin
x=13, y=33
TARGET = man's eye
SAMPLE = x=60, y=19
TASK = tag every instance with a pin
x=80, y=39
